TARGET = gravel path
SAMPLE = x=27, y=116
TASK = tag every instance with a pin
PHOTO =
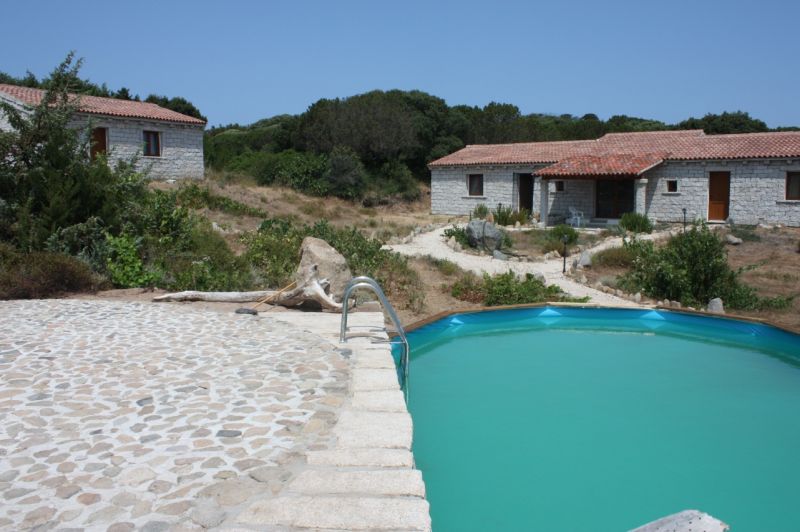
x=121, y=416
x=433, y=244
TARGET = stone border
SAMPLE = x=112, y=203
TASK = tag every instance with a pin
x=366, y=480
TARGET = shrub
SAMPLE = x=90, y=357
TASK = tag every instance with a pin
x=344, y=173
x=558, y=232
x=691, y=268
x=621, y=257
x=460, y=234
x=481, y=211
x=636, y=223
x=42, y=274
x=124, y=264
x=503, y=215
x=506, y=289
x=444, y=266
x=274, y=252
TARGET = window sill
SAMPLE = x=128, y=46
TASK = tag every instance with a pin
x=473, y=197
x=152, y=156
x=670, y=193
x=788, y=202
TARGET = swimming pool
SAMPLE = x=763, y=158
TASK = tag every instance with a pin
x=557, y=418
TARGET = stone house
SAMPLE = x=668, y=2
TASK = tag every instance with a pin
x=746, y=178
x=168, y=145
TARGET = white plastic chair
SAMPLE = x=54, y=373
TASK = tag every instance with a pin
x=575, y=217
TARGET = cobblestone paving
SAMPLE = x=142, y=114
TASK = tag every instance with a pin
x=122, y=416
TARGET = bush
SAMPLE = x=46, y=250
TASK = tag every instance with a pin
x=503, y=215
x=691, y=268
x=41, y=274
x=444, y=266
x=636, y=223
x=344, y=173
x=274, y=252
x=460, y=234
x=506, y=289
x=621, y=257
x=481, y=211
x=557, y=233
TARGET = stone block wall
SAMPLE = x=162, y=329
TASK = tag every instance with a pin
x=577, y=193
x=449, y=194
x=757, y=191
x=181, y=145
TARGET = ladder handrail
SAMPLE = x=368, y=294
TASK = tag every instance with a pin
x=367, y=282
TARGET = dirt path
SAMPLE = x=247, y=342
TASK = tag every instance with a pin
x=433, y=244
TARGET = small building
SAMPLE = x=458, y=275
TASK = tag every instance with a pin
x=745, y=178
x=169, y=145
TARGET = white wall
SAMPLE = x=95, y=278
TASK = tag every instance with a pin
x=181, y=145
x=757, y=193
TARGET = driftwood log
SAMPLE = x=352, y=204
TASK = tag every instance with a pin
x=309, y=288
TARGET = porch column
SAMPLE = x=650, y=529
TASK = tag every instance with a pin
x=640, y=196
x=544, y=201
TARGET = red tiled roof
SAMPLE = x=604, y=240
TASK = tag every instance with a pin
x=672, y=145
x=104, y=106
x=618, y=164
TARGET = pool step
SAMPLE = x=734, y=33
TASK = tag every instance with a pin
x=339, y=513
x=366, y=458
x=401, y=482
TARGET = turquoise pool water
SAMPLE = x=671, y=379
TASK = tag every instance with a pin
x=572, y=419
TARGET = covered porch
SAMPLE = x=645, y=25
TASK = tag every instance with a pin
x=594, y=190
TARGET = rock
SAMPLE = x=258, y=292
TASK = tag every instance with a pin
x=676, y=304
x=88, y=498
x=667, y=303
x=585, y=259
x=555, y=254
x=583, y=279
x=490, y=218
x=215, y=226
x=732, y=240
x=637, y=297
x=484, y=235
x=228, y=433
x=451, y=242
x=715, y=306
x=331, y=265
x=207, y=516
x=539, y=277
x=499, y=255
x=458, y=247
x=38, y=517
x=517, y=225
x=685, y=521
x=134, y=477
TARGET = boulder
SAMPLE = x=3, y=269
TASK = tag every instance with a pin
x=331, y=265
x=585, y=259
x=451, y=242
x=685, y=521
x=499, y=255
x=715, y=306
x=484, y=235
x=733, y=240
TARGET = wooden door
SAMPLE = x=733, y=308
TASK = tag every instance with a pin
x=99, y=142
x=719, y=191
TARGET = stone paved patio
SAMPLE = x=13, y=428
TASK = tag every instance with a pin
x=122, y=416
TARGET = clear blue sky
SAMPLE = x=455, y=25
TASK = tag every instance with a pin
x=242, y=61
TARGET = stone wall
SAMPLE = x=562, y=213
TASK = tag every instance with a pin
x=757, y=193
x=449, y=194
x=4, y=125
x=181, y=145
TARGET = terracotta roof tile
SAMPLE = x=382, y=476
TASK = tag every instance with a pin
x=104, y=106
x=617, y=164
x=672, y=145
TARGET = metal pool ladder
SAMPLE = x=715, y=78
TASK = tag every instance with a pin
x=370, y=283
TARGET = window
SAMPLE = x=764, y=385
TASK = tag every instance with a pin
x=99, y=142
x=559, y=186
x=152, y=144
x=793, y=186
x=672, y=185
x=475, y=184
